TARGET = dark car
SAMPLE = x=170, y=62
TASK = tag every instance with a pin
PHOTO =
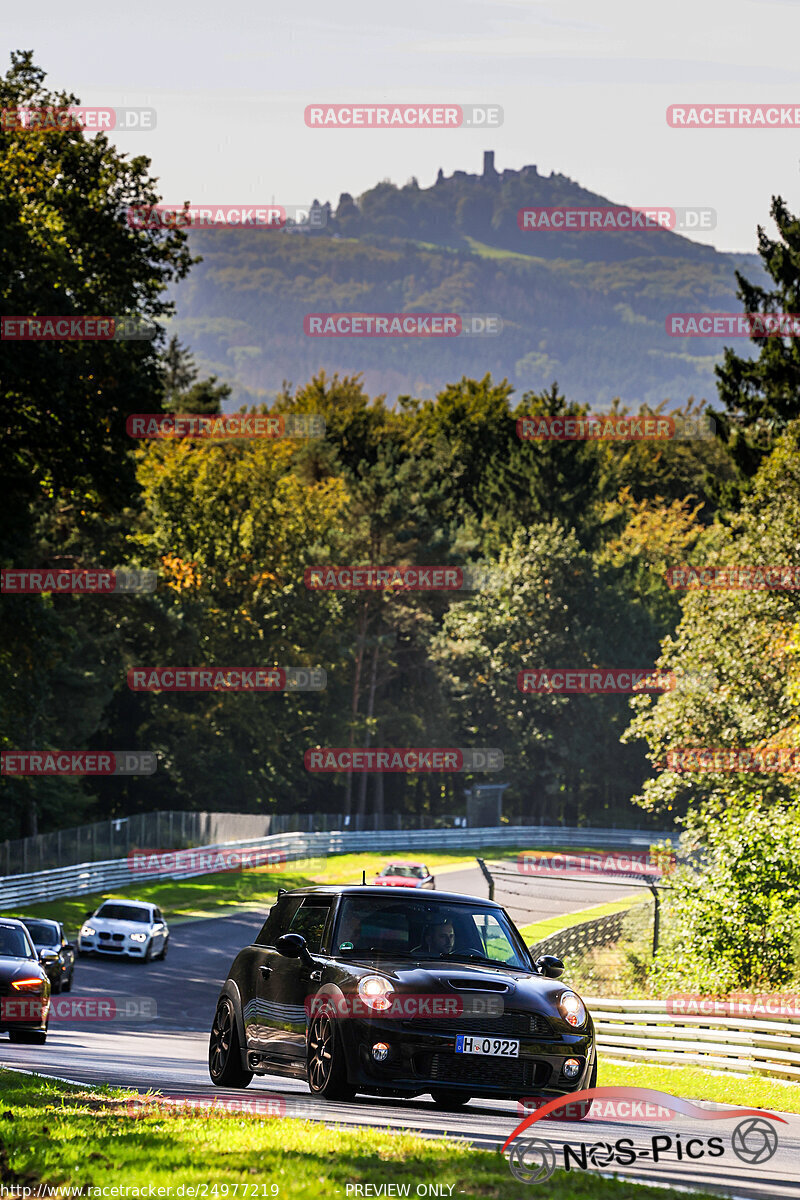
x=361, y=989
x=24, y=986
x=60, y=965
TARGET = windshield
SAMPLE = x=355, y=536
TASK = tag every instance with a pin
x=426, y=929
x=13, y=943
x=404, y=870
x=123, y=912
x=43, y=933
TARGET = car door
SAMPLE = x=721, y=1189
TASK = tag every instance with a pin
x=285, y=984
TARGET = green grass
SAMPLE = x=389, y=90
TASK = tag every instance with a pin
x=750, y=1091
x=55, y=1133
x=542, y=929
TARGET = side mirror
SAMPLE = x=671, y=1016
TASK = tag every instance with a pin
x=550, y=966
x=293, y=945
x=46, y=956
x=88, y=916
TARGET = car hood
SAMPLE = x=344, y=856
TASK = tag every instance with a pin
x=18, y=968
x=114, y=925
x=517, y=989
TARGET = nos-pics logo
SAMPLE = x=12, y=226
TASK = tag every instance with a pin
x=533, y=1160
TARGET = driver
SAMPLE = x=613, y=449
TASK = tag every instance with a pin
x=438, y=938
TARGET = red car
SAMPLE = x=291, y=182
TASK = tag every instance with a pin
x=405, y=874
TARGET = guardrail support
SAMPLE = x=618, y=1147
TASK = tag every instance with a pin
x=487, y=875
x=656, y=914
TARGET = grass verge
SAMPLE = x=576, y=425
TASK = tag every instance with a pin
x=54, y=1133
x=693, y=1083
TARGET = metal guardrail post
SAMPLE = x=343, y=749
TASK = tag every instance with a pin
x=487, y=875
x=656, y=916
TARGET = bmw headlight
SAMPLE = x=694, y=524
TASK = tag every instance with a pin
x=572, y=1009
x=138, y=937
x=376, y=992
x=87, y=931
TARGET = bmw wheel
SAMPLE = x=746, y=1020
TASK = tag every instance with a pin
x=224, y=1052
x=327, y=1075
x=162, y=954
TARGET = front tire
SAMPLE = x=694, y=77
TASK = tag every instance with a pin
x=66, y=985
x=162, y=954
x=449, y=1098
x=325, y=1066
x=27, y=1037
x=224, y=1051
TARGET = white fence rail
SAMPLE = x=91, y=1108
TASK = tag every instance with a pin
x=643, y=1030
x=92, y=877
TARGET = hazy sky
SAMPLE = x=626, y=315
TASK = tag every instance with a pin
x=584, y=87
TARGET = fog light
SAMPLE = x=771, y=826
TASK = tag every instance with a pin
x=571, y=1068
x=380, y=1052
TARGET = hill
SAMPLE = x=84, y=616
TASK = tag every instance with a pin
x=584, y=308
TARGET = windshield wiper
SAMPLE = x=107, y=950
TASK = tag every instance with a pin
x=473, y=957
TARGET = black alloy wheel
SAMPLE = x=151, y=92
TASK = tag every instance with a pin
x=327, y=1075
x=224, y=1055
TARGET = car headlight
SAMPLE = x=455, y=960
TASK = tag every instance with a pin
x=376, y=992
x=572, y=1009
x=88, y=931
x=27, y=985
x=138, y=937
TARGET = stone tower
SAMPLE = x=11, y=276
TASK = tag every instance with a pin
x=488, y=165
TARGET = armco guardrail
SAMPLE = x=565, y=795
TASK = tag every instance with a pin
x=88, y=878
x=643, y=1030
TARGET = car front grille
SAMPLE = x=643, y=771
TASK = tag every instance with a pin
x=508, y=1024
x=481, y=1071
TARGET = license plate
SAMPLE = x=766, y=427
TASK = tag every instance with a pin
x=497, y=1047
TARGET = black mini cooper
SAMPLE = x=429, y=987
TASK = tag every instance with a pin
x=357, y=990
